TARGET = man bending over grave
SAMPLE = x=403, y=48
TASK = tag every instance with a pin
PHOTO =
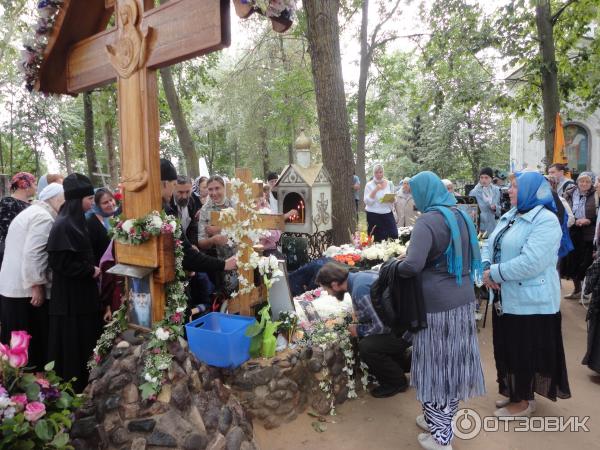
x=193, y=260
x=379, y=347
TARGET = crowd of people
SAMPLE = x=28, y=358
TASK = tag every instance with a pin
x=550, y=232
x=55, y=250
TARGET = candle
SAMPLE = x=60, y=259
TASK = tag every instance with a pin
x=301, y=212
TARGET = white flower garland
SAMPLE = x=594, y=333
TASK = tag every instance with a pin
x=236, y=232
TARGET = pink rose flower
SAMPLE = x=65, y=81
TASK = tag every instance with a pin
x=16, y=354
x=19, y=399
x=34, y=411
x=19, y=340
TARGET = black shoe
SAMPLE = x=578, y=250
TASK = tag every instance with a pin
x=384, y=391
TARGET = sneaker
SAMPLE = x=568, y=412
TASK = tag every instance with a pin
x=573, y=295
x=502, y=402
x=422, y=423
x=385, y=391
x=527, y=412
x=427, y=441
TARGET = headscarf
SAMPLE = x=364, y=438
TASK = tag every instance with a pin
x=50, y=191
x=429, y=194
x=41, y=184
x=22, y=180
x=533, y=190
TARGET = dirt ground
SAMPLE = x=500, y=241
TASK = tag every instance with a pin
x=380, y=424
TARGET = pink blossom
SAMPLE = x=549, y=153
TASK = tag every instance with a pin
x=176, y=317
x=2, y=390
x=19, y=399
x=42, y=382
x=97, y=358
x=34, y=411
x=16, y=354
x=167, y=228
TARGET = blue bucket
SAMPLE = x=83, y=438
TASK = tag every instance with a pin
x=219, y=339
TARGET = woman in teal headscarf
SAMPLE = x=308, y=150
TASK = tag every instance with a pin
x=444, y=253
x=520, y=269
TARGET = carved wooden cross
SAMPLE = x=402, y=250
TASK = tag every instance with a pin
x=144, y=39
x=243, y=303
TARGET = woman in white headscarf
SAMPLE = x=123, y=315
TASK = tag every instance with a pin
x=25, y=277
x=380, y=218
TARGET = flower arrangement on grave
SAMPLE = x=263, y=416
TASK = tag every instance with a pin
x=35, y=44
x=366, y=256
x=288, y=322
x=244, y=235
x=35, y=408
x=138, y=231
x=170, y=328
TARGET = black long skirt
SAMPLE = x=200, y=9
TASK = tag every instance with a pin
x=71, y=344
x=19, y=315
x=530, y=357
x=382, y=226
x=575, y=264
x=592, y=354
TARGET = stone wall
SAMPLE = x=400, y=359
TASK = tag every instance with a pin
x=193, y=411
x=276, y=390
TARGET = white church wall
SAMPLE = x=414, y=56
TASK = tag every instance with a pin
x=527, y=151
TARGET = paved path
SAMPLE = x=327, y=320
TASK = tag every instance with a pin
x=380, y=424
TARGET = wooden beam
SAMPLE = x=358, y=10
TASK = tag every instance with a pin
x=181, y=30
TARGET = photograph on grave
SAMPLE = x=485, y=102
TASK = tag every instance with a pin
x=140, y=301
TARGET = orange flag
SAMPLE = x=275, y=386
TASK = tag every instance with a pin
x=559, y=142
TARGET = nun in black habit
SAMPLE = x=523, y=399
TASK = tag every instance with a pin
x=74, y=309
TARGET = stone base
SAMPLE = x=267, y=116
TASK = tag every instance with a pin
x=277, y=390
x=193, y=411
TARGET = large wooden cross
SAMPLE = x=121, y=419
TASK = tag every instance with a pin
x=144, y=39
x=244, y=303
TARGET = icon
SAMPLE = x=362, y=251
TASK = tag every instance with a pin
x=466, y=424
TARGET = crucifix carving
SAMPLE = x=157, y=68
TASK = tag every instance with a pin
x=244, y=303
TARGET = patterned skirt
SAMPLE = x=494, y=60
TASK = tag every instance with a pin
x=446, y=364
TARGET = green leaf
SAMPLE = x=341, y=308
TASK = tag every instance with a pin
x=42, y=430
x=64, y=401
x=147, y=390
x=48, y=367
x=254, y=329
x=60, y=440
x=33, y=391
x=319, y=427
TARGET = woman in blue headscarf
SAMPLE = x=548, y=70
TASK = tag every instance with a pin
x=520, y=270
x=98, y=223
x=444, y=253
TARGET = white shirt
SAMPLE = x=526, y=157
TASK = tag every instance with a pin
x=273, y=203
x=25, y=261
x=374, y=205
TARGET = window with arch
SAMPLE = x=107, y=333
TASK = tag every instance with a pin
x=577, y=147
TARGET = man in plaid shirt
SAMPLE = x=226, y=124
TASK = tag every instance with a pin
x=379, y=348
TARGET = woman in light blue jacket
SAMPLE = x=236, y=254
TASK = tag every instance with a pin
x=520, y=269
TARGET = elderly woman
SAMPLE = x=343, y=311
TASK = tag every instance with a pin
x=25, y=278
x=444, y=252
x=23, y=187
x=520, y=268
x=105, y=207
x=488, y=199
x=405, y=205
x=380, y=218
x=583, y=202
x=210, y=237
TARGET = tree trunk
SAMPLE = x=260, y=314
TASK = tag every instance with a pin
x=65, y=147
x=236, y=155
x=181, y=126
x=109, y=145
x=361, y=102
x=88, y=131
x=262, y=132
x=323, y=37
x=549, y=73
